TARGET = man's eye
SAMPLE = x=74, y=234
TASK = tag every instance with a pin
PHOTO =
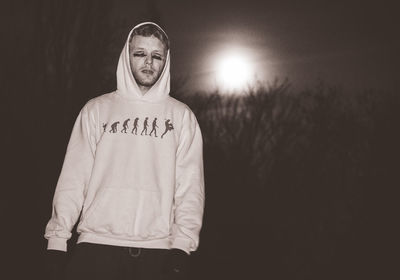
x=139, y=54
x=157, y=57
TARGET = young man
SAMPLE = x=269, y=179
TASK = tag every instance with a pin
x=140, y=198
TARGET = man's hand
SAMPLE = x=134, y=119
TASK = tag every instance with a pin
x=177, y=264
x=55, y=262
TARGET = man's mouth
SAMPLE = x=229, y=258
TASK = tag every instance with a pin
x=148, y=71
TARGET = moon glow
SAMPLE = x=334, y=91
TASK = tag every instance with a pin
x=233, y=72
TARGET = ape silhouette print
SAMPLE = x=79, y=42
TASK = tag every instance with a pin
x=125, y=125
x=135, y=126
x=114, y=127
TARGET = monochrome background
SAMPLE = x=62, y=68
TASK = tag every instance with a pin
x=301, y=167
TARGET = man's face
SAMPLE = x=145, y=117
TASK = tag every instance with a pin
x=147, y=60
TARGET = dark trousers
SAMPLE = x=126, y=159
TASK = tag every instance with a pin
x=95, y=261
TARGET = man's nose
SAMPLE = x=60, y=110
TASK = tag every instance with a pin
x=149, y=59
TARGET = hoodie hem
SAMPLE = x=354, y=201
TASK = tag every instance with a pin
x=182, y=244
x=163, y=243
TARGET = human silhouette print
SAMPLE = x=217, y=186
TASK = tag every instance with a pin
x=154, y=126
x=104, y=127
x=145, y=125
x=114, y=127
x=135, y=125
x=168, y=127
x=125, y=125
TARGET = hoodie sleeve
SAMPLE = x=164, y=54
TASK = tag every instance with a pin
x=74, y=177
x=189, y=193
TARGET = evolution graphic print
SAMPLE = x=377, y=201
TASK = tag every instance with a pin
x=114, y=127
x=125, y=126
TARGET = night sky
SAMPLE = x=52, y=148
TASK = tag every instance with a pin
x=350, y=44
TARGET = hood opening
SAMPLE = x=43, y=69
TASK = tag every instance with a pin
x=126, y=83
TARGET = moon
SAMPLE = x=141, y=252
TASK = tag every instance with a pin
x=234, y=72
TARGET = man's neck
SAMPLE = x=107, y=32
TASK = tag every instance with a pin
x=143, y=89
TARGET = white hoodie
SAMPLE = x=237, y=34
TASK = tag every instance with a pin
x=130, y=189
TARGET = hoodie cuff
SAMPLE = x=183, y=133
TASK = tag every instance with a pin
x=59, y=244
x=182, y=244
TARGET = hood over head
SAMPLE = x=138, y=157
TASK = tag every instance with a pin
x=126, y=83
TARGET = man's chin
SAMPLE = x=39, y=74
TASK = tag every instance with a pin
x=146, y=83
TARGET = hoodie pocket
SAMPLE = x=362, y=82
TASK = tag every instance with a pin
x=133, y=213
